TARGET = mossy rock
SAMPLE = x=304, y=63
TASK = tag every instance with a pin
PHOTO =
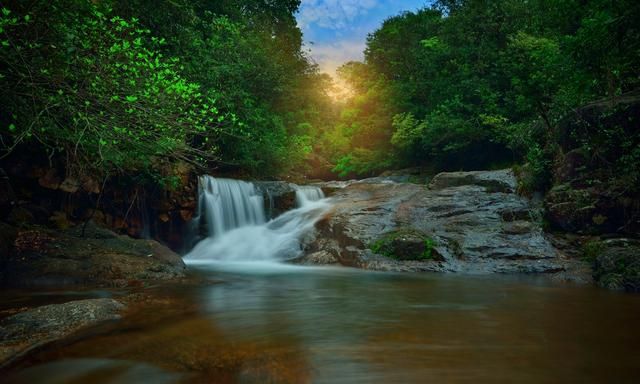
x=406, y=244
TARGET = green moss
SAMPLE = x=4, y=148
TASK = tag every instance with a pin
x=405, y=244
x=427, y=254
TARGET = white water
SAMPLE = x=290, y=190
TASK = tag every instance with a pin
x=238, y=231
x=307, y=193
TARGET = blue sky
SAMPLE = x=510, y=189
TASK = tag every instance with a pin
x=338, y=28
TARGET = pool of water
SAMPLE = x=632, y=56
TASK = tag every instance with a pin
x=268, y=323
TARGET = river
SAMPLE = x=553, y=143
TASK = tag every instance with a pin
x=271, y=323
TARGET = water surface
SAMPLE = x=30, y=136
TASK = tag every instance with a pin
x=269, y=323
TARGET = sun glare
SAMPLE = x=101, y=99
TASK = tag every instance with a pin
x=340, y=90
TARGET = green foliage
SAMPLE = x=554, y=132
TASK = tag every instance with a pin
x=467, y=84
x=363, y=161
x=135, y=86
x=591, y=250
x=94, y=86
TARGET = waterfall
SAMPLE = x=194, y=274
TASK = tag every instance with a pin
x=307, y=193
x=234, y=213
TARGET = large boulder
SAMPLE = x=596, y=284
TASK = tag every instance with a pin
x=474, y=222
x=26, y=331
x=87, y=255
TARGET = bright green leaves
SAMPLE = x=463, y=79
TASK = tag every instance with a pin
x=111, y=100
x=431, y=43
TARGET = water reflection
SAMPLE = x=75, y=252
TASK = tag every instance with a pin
x=285, y=324
x=372, y=327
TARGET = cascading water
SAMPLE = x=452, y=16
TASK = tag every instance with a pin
x=237, y=230
x=307, y=193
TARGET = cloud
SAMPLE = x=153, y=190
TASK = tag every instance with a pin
x=330, y=56
x=332, y=14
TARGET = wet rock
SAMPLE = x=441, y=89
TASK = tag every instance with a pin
x=317, y=258
x=493, y=181
x=617, y=264
x=280, y=196
x=101, y=257
x=36, y=327
x=406, y=244
x=463, y=213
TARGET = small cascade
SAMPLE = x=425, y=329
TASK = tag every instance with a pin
x=307, y=193
x=227, y=204
x=234, y=214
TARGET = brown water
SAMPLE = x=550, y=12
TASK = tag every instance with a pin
x=290, y=325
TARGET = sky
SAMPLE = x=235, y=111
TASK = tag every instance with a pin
x=336, y=30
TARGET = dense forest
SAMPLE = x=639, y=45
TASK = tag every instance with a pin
x=475, y=84
x=135, y=87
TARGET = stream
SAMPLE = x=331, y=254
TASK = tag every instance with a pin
x=251, y=318
x=286, y=324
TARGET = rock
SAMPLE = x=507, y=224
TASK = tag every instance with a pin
x=476, y=221
x=36, y=327
x=406, y=244
x=280, y=196
x=70, y=185
x=317, y=258
x=617, y=264
x=186, y=214
x=50, y=179
x=494, y=181
x=59, y=220
x=44, y=257
x=91, y=185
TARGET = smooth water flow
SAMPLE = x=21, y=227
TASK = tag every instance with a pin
x=307, y=193
x=238, y=232
x=228, y=204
